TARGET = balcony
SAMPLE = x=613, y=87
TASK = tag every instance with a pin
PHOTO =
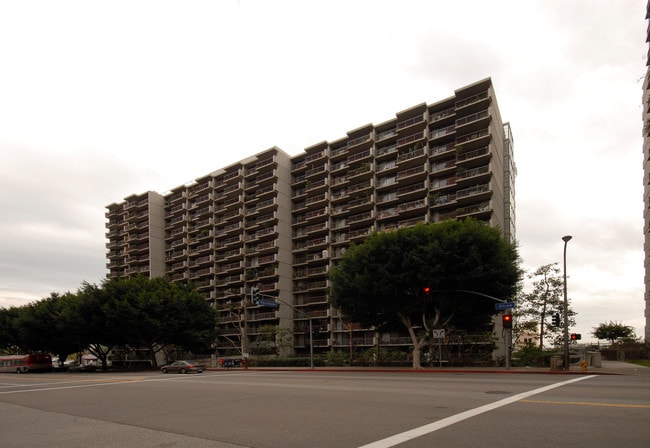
x=314, y=186
x=441, y=115
x=480, y=174
x=442, y=150
x=474, y=193
x=441, y=132
x=229, y=177
x=315, y=171
x=443, y=183
x=473, y=140
x=358, y=140
x=315, y=201
x=476, y=157
x=473, y=122
x=479, y=211
x=200, y=273
x=441, y=167
x=205, y=259
x=359, y=218
x=385, y=150
x=338, y=152
x=411, y=206
x=411, y=191
x=359, y=187
x=316, y=228
x=418, y=136
x=443, y=200
x=338, y=209
x=361, y=201
x=385, y=135
x=315, y=156
x=386, y=213
x=411, y=172
x=410, y=122
x=412, y=158
x=298, y=165
x=473, y=103
x=203, y=247
x=340, y=180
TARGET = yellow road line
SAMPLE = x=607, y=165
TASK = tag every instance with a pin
x=587, y=403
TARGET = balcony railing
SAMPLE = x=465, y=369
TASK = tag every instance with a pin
x=471, y=100
x=409, y=122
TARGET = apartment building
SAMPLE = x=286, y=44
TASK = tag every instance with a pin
x=279, y=223
x=646, y=181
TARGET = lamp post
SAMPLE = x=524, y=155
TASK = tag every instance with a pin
x=566, y=239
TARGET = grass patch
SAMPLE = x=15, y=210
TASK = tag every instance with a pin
x=642, y=362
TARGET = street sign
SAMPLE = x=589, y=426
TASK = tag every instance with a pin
x=438, y=334
x=504, y=306
x=265, y=302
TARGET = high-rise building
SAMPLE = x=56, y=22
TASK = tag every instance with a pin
x=646, y=182
x=279, y=223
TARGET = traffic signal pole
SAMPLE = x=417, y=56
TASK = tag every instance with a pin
x=256, y=293
x=506, y=328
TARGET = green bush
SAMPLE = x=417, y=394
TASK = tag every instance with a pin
x=336, y=359
x=531, y=356
x=285, y=362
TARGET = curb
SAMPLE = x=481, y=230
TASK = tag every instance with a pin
x=415, y=371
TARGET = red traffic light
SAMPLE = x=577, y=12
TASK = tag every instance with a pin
x=576, y=336
x=427, y=290
x=506, y=320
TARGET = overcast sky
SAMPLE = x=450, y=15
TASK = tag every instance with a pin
x=101, y=100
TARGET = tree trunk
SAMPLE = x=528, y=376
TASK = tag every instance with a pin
x=417, y=343
x=417, y=352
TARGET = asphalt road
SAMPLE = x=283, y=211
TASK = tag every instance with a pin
x=273, y=409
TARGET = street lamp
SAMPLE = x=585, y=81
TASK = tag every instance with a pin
x=566, y=239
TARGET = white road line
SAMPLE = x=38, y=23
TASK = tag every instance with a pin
x=435, y=426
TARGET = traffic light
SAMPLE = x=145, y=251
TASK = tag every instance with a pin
x=427, y=292
x=255, y=295
x=506, y=320
x=576, y=336
x=556, y=319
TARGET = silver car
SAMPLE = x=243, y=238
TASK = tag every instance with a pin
x=183, y=367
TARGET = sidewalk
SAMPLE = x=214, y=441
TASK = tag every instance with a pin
x=608, y=368
x=623, y=368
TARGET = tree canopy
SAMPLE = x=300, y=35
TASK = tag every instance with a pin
x=535, y=308
x=382, y=280
x=614, y=332
x=139, y=312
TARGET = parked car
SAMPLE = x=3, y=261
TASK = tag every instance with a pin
x=82, y=368
x=183, y=367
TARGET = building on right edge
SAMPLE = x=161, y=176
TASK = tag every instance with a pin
x=646, y=182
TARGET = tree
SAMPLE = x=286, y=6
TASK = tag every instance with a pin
x=98, y=328
x=10, y=341
x=272, y=339
x=535, y=309
x=382, y=280
x=59, y=311
x=614, y=332
x=155, y=313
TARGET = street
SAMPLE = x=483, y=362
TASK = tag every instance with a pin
x=273, y=409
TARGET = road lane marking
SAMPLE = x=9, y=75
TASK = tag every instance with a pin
x=84, y=383
x=590, y=403
x=440, y=424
